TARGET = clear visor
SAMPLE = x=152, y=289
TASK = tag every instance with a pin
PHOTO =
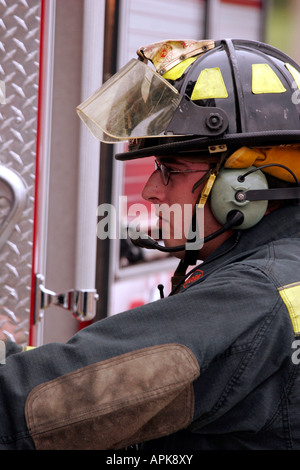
x=136, y=102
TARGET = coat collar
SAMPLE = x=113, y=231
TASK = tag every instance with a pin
x=281, y=223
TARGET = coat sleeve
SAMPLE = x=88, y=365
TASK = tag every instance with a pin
x=128, y=378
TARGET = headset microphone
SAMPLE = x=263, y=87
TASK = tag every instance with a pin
x=234, y=219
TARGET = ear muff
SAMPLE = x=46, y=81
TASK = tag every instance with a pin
x=223, y=196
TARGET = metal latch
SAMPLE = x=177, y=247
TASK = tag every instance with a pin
x=82, y=303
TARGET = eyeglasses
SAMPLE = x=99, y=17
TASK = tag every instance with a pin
x=166, y=172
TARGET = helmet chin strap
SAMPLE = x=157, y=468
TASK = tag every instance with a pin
x=191, y=255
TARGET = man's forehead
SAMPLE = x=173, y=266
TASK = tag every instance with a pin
x=185, y=160
x=169, y=159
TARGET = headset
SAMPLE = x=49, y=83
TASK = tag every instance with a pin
x=230, y=192
x=239, y=199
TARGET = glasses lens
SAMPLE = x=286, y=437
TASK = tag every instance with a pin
x=164, y=172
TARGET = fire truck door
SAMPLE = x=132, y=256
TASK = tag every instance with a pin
x=33, y=188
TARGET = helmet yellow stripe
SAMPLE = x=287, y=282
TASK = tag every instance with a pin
x=210, y=84
x=176, y=72
x=265, y=80
x=295, y=74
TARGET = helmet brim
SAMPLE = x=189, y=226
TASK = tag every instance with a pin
x=212, y=145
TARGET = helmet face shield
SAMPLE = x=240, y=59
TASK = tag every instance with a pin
x=135, y=103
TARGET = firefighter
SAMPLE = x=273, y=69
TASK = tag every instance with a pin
x=214, y=365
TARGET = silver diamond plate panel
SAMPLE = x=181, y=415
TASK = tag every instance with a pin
x=19, y=68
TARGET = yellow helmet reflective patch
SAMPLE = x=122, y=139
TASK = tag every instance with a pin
x=210, y=84
x=265, y=80
x=290, y=295
x=177, y=71
x=295, y=74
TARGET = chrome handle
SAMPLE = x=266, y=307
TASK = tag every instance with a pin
x=14, y=190
x=82, y=303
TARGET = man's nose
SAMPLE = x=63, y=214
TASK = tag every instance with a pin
x=154, y=189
